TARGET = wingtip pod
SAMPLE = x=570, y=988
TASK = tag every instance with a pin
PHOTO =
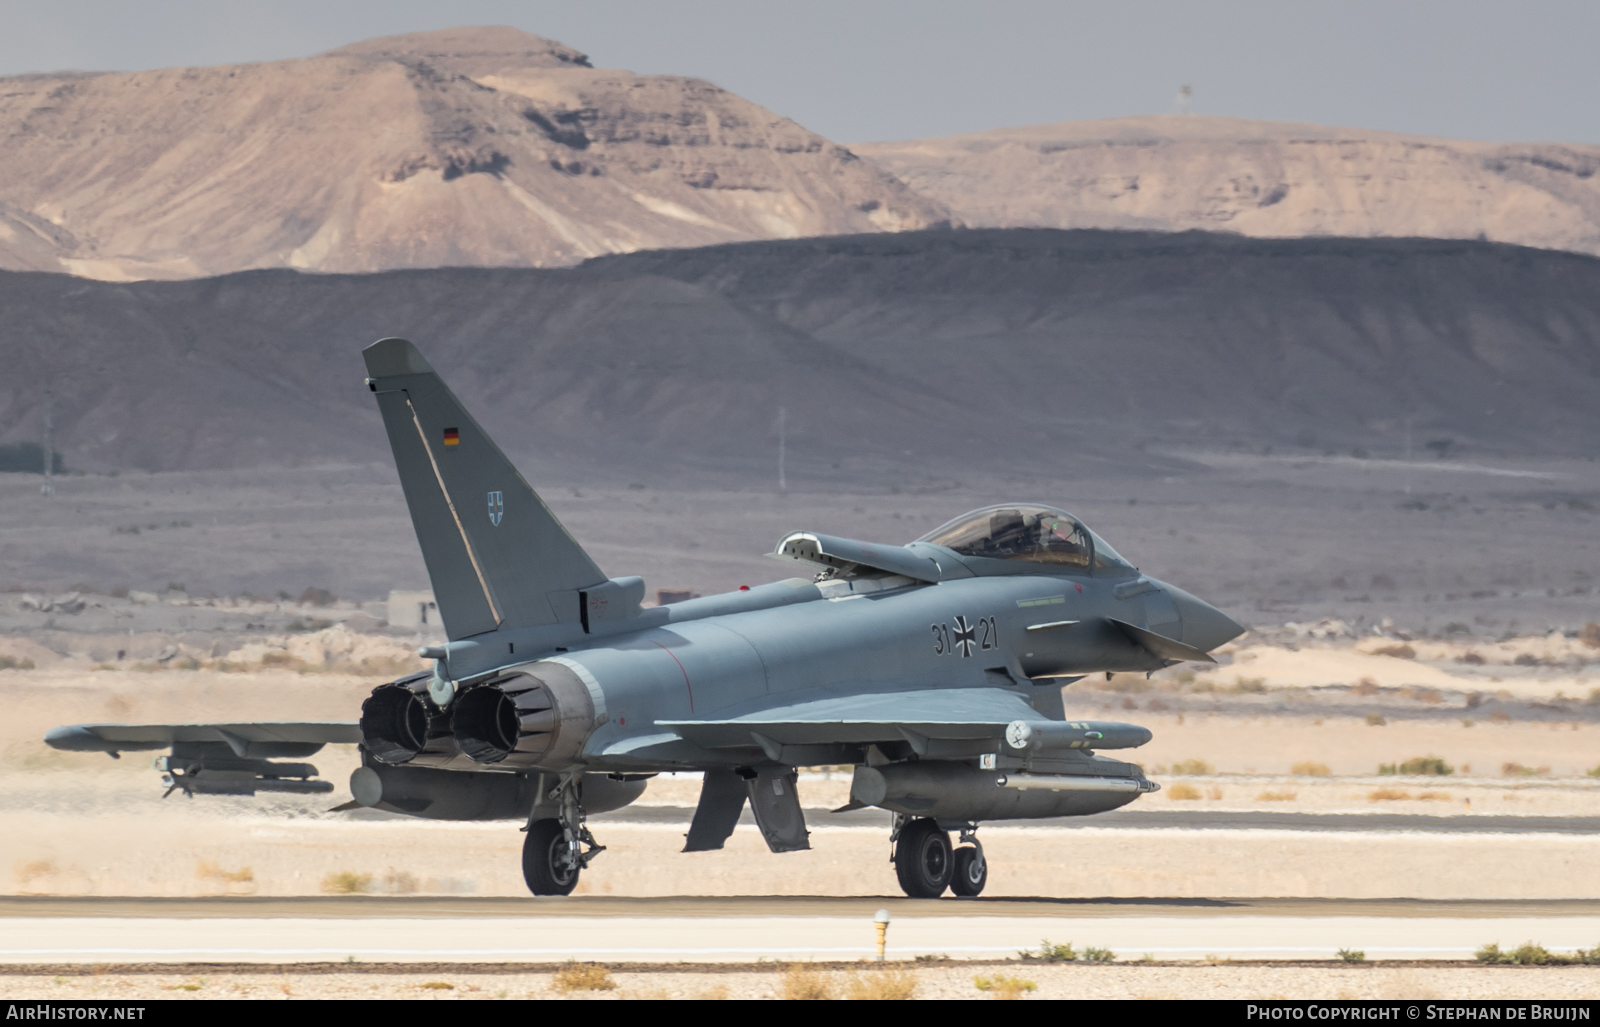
x=389, y=357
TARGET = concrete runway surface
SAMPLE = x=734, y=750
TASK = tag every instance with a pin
x=745, y=929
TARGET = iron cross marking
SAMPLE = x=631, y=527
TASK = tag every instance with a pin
x=966, y=636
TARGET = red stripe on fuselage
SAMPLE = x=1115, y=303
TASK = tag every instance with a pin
x=685, y=673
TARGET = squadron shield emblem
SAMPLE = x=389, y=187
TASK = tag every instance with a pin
x=497, y=508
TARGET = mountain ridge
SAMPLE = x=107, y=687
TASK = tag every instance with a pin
x=485, y=146
x=905, y=359
x=1258, y=178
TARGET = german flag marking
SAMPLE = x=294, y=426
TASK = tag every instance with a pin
x=452, y=437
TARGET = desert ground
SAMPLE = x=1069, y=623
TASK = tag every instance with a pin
x=1137, y=981
x=1383, y=640
x=1286, y=723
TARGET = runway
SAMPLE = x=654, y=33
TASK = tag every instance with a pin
x=1180, y=820
x=747, y=929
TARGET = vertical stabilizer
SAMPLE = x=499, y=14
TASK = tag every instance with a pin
x=495, y=553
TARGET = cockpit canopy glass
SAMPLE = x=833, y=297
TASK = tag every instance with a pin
x=1037, y=534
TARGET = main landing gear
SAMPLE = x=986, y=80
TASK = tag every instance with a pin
x=926, y=864
x=557, y=848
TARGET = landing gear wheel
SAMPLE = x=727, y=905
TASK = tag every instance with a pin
x=971, y=872
x=544, y=854
x=922, y=859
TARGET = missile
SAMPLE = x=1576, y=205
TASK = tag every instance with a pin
x=1046, y=735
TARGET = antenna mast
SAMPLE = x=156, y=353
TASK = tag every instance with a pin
x=783, y=416
x=48, y=488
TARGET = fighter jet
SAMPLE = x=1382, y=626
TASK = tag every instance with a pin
x=934, y=668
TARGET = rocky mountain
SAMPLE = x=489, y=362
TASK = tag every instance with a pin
x=1258, y=178
x=473, y=146
x=902, y=359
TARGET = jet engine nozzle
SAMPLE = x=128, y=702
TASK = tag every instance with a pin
x=537, y=716
x=502, y=721
x=1045, y=735
x=394, y=724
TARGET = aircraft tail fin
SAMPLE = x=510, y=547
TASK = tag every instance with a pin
x=495, y=553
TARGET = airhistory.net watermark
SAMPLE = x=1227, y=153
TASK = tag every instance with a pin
x=71, y=1011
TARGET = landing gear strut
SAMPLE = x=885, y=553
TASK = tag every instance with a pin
x=557, y=849
x=971, y=869
x=926, y=864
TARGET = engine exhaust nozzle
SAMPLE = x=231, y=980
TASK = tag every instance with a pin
x=394, y=724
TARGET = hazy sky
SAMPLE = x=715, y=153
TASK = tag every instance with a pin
x=886, y=69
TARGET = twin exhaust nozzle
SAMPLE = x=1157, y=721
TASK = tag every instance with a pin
x=512, y=720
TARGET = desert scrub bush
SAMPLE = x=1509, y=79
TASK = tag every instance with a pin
x=1518, y=770
x=1593, y=771
x=1191, y=768
x=881, y=985
x=1250, y=686
x=1277, y=796
x=1310, y=768
x=1181, y=792
x=1526, y=954
x=1049, y=952
x=1418, y=766
x=1387, y=795
x=583, y=977
x=1004, y=988
x=346, y=882
x=1353, y=955
x=1399, y=652
x=207, y=870
x=801, y=983
x=437, y=986
x=1376, y=720
x=12, y=663
x=1098, y=955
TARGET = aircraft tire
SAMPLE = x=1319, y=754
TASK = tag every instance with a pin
x=542, y=850
x=922, y=859
x=971, y=872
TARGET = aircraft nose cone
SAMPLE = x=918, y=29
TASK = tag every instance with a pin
x=1204, y=626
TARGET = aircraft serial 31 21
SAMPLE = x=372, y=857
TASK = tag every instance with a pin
x=934, y=668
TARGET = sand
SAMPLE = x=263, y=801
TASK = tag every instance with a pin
x=942, y=982
x=82, y=824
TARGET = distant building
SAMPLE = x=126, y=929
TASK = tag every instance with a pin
x=412, y=610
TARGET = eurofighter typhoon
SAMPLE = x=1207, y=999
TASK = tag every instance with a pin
x=934, y=668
